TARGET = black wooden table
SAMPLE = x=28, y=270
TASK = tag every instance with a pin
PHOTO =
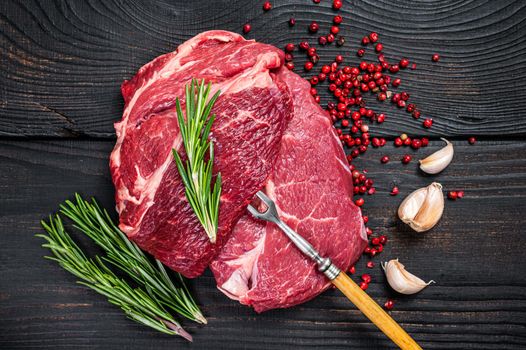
x=62, y=63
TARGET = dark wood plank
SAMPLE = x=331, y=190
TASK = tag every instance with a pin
x=475, y=254
x=63, y=61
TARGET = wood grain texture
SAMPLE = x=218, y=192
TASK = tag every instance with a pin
x=63, y=61
x=61, y=65
x=475, y=254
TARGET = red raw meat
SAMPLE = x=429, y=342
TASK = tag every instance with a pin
x=312, y=186
x=251, y=115
x=269, y=134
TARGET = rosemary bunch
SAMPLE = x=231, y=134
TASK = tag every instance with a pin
x=197, y=172
x=93, y=273
x=128, y=257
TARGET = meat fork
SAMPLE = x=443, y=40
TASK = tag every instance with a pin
x=340, y=279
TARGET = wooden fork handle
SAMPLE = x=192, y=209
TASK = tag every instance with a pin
x=374, y=312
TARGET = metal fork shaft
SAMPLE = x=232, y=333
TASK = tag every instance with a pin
x=325, y=265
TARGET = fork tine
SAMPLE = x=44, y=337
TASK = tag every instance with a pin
x=264, y=198
x=270, y=214
x=256, y=213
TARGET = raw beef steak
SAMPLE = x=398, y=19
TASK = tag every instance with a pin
x=252, y=113
x=312, y=187
x=269, y=134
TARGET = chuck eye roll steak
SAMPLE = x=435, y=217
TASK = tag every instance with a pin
x=268, y=134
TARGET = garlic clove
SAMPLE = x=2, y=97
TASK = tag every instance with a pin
x=439, y=160
x=401, y=280
x=423, y=208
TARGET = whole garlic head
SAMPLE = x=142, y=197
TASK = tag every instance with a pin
x=422, y=209
x=401, y=280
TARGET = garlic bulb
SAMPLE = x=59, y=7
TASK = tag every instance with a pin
x=439, y=160
x=422, y=209
x=401, y=280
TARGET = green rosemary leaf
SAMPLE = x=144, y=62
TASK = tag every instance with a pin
x=96, y=223
x=93, y=273
x=196, y=172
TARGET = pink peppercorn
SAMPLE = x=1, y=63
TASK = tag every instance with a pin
x=247, y=28
x=406, y=159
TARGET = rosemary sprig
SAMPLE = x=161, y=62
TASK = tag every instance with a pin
x=128, y=257
x=93, y=273
x=197, y=172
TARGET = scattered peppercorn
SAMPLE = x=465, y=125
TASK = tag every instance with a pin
x=247, y=28
x=304, y=45
x=292, y=22
x=366, y=278
x=472, y=140
x=370, y=264
x=406, y=159
x=364, y=285
x=453, y=195
x=314, y=27
x=428, y=123
x=395, y=190
x=435, y=57
x=404, y=62
x=267, y=6
x=389, y=304
x=337, y=4
x=384, y=159
x=416, y=144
